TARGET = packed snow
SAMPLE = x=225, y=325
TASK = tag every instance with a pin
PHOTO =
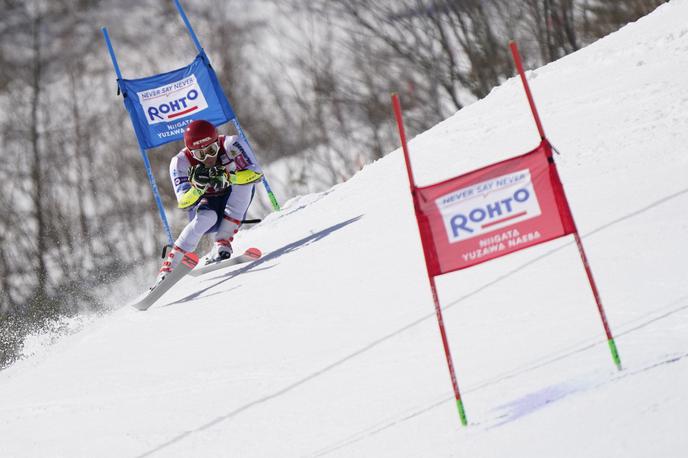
x=329, y=345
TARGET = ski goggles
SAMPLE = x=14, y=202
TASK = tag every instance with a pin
x=209, y=151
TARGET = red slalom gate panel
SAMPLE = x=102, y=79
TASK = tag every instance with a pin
x=493, y=211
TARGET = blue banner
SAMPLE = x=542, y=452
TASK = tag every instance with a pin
x=161, y=106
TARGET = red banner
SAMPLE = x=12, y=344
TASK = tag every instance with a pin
x=493, y=211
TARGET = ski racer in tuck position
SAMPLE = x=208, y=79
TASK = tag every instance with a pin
x=214, y=179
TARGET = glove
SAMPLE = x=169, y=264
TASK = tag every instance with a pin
x=199, y=176
x=219, y=178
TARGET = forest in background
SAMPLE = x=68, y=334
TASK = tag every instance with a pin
x=309, y=80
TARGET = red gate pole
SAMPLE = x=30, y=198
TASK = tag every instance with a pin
x=598, y=300
x=579, y=243
x=438, y=309
x=519, y=67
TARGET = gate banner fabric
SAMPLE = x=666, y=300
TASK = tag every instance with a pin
x=493, y=211
x=161, y=106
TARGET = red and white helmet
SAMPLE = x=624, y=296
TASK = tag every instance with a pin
x=200, y=137
x=199, y=134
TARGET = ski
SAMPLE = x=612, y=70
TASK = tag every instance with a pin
x=251, y=254
x=189, y=261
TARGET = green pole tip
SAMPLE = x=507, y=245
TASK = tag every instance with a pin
x=273, y=201
x=462, y=412
x=615, y=354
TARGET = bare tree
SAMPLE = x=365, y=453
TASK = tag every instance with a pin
x=603, y=17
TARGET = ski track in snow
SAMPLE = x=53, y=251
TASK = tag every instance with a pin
x=534, y=401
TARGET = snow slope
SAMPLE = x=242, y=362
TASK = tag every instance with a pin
x=329, y=345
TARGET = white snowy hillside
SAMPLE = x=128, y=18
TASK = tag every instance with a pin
x=329, y=345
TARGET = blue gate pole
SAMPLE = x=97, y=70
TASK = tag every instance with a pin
x=188, y=26
x=271, y=195
x=156, y=195
x=144, y=155
x=235, y=121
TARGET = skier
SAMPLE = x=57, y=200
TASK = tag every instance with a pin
x=214, y=178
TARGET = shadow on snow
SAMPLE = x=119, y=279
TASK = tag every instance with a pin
x=255, y=265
